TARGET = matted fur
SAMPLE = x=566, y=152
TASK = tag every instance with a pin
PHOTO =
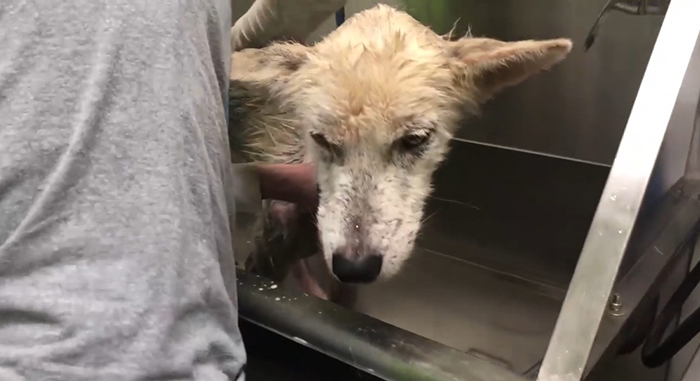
x=373, y=106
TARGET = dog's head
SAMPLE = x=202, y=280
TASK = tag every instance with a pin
x=379, y=100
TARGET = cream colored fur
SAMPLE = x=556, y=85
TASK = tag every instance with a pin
x=373, y=106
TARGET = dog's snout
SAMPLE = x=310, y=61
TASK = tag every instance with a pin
x=356, y=269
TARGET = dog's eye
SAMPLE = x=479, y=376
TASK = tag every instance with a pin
x=413, y=143
x=321, y=141
x=331, y=149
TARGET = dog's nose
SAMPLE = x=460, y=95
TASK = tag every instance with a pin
x=362, y=269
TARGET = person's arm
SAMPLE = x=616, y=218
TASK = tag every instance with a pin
x=246, y=188
x=295, y=183
x=269, y=20
x=285, y=182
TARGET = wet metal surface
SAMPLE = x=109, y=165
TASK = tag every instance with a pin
x=367, y=344
x=496, y=254
x=489, y=277
x=621, y=201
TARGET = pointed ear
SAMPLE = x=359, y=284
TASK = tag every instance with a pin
x=258, y=76
x=268, y=66
x=484, y=66
x=258, y=79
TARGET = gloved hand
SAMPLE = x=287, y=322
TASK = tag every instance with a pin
x=270, y=20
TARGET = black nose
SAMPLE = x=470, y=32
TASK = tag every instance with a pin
x=363, y=269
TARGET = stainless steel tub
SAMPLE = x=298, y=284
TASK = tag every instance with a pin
x=531, y=266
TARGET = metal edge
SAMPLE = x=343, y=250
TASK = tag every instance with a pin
x=692, y=169
x=595, y=274
x=692, y=373
x=367, y=344
x=642, y=282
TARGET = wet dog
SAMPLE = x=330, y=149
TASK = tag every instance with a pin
x=373, y=106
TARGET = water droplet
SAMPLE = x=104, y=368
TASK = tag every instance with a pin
x=613, y=197
x=274, y=286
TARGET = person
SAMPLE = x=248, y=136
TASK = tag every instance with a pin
x=116, y=190
x=268, y=20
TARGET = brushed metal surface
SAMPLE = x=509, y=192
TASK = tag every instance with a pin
x=273, y=357
x=494, y=316
x=693, y=370
x=619, y=207
x=367, y=344
x=509, y=226
x=502, y=237
x=516, y=212
x=497, y=252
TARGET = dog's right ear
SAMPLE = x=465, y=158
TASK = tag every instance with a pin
x=270, y=67
x=484, y=66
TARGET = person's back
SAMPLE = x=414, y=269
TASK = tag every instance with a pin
x=114, y=192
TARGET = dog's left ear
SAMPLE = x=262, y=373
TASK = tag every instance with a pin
x=259, y=89
x=268, y=68
x=484, y=66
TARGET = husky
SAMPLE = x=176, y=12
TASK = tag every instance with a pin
x=373, y=107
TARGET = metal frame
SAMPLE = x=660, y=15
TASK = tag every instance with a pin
x=679, y=213
x=693, y=163
x=592, y=284
x=372, y=346
x=693, y=371
x=652, y=260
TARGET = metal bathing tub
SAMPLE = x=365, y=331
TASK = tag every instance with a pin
x=553, y=267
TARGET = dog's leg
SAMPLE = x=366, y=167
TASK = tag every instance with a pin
x=277, y=241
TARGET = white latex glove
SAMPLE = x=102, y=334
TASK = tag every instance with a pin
x=269, y=20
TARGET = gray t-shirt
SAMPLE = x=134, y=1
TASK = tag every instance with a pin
x=115, y=192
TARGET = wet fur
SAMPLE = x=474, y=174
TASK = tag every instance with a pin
x=379, y=77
